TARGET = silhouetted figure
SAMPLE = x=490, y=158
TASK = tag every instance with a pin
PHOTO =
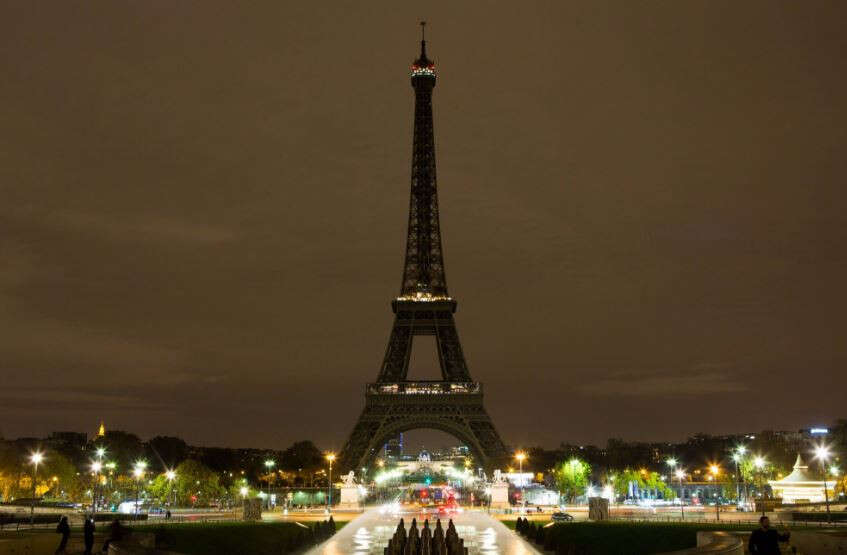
x=64, y=529
x=168, y=514
x=765, y=540
x=88, y=534
x=116, y=533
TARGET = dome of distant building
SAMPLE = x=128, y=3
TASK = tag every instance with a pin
x=799, y=486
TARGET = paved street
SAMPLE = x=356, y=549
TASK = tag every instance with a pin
x=370, y=532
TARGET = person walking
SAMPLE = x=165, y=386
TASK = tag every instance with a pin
x=765, y=540
x=88, y=534
x=116, y=533
x=65, y=529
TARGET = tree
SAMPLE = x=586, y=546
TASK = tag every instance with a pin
x=123, y=448
x=653, y=481
x=572, y=478
x=170, y=451
x=194, y=484
x=623, y=479
x=302, y=455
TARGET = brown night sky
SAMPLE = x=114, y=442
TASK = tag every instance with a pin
x=204, y=207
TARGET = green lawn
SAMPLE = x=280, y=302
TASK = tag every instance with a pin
x=232, y=537
x=626, y=538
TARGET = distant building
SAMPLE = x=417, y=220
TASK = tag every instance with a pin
x=76, y=440
x=393, y=448
x=815, y=432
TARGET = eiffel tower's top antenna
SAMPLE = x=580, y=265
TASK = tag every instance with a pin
x=423, y=61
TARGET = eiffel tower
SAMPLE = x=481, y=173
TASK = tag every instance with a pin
x=393, y=404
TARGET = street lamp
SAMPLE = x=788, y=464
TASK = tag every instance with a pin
x=35, y=458
x=269, y=464
x=171, y=476
x=715, y=470
x=680, y=473
x=520, y=456
x=822, y=453
x=96, y=467
x=759, y=463
x=737, y=457
x=329, y=457
x=671, y=462
x=138, y=473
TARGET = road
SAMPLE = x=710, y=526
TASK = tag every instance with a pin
x=369, y=533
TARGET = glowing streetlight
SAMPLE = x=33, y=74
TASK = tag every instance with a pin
x=269, y=464
x=714, y=470
x=822, y=453
x=35, y=458
x=138, y=473
x=520, y=456
x=329, y=457
x=170, y=475
x=737, y=458
x=680, y=474
x=96, y=467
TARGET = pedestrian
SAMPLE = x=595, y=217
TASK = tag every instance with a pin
x=168, y=514
x=116, y=533
x=765, y=540
x=88, y=534
x=64, y=529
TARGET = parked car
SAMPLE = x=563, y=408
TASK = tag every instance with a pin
x=562, y=517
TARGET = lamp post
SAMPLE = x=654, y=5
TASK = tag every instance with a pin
x=737, y=457
x=520, y=456
x=269, y=464
x=715, y=470
x=759, y=464
x=171, y=475
x=96, y=467
x=35, y=458
x=329, y=457
x=680, y=473
x=671, y=462
x=822, y=454
x=138, y=473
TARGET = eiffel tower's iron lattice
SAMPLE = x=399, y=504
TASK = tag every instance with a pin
x=452, y=404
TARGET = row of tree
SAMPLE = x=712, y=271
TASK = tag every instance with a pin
x=67, y=469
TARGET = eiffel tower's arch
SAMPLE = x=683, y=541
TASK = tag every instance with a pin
x=456, y=431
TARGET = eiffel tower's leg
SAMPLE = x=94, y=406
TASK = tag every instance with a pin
x=395, y=365
x=453, y=366
x=359, y=443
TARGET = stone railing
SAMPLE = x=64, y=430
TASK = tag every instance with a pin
x=715, y=542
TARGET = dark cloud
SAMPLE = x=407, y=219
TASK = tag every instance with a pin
x=204, y=209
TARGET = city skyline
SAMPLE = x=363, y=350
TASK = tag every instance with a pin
x=204, y=221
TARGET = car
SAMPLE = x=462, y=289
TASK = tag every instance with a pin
x=562, y=517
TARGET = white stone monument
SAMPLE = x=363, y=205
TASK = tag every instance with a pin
x=351, y=495
x=499, y=491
